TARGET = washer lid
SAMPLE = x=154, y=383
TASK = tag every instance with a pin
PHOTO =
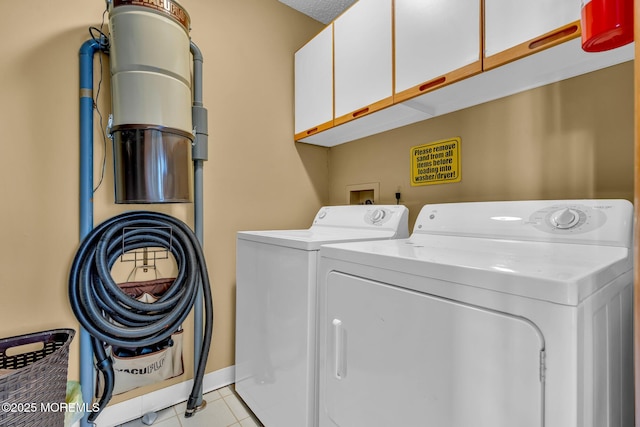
x=557, y=272
x=312, y=238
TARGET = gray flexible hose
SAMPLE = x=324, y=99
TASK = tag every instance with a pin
x=97, y=301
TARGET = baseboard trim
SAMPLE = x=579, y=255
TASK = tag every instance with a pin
x=132, y=409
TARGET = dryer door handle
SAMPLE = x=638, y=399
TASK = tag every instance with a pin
x=339, y=348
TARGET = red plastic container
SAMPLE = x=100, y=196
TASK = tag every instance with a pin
x=606, y=24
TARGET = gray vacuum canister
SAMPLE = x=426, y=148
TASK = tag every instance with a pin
x=151, y=101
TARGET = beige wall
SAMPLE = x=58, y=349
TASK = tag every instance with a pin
x=572, y=139
x=256, y=176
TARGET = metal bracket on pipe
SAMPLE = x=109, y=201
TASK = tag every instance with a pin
x=201, y=131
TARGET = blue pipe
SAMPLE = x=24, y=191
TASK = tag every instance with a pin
x=87, y=52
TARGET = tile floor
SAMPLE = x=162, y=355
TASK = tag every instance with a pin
x=224, y=409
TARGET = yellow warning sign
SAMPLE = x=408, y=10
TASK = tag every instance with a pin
x=436, y=163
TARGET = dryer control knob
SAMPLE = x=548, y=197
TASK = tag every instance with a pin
x=378, y=215
x=565, y=218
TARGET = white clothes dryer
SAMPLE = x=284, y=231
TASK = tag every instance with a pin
x=276, y=336
x=494, y=314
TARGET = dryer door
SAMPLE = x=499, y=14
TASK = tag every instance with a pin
x=394, y=357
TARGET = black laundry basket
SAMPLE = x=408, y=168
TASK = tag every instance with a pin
x=33, y=393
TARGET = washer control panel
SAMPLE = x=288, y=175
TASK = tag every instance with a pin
x=392, y=217
x=568, y=218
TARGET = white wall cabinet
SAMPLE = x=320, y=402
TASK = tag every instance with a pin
x=437, y=42
x=514, y=29
x=314, y=85
x=363, y=63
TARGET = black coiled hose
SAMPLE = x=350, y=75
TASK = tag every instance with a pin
x=112, y=317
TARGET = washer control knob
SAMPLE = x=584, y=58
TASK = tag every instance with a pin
x=565, y=218
x=378, y=215
x=322, y=214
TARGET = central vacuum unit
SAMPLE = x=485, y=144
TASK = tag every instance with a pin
x=159, y=129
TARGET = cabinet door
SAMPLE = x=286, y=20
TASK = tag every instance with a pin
x=514, y=29
x=314, y=85
x=394, y=357
x=363, y=59
x=437, y=42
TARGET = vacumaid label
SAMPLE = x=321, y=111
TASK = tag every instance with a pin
x=168, y=7
x=150, y=369
x=436, y=163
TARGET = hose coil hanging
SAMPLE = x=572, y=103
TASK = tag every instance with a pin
x=112, y=317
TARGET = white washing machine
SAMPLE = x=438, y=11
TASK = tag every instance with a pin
x=497, y=314
x=276, y=307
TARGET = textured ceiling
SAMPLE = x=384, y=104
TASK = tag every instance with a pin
x=324, y=11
